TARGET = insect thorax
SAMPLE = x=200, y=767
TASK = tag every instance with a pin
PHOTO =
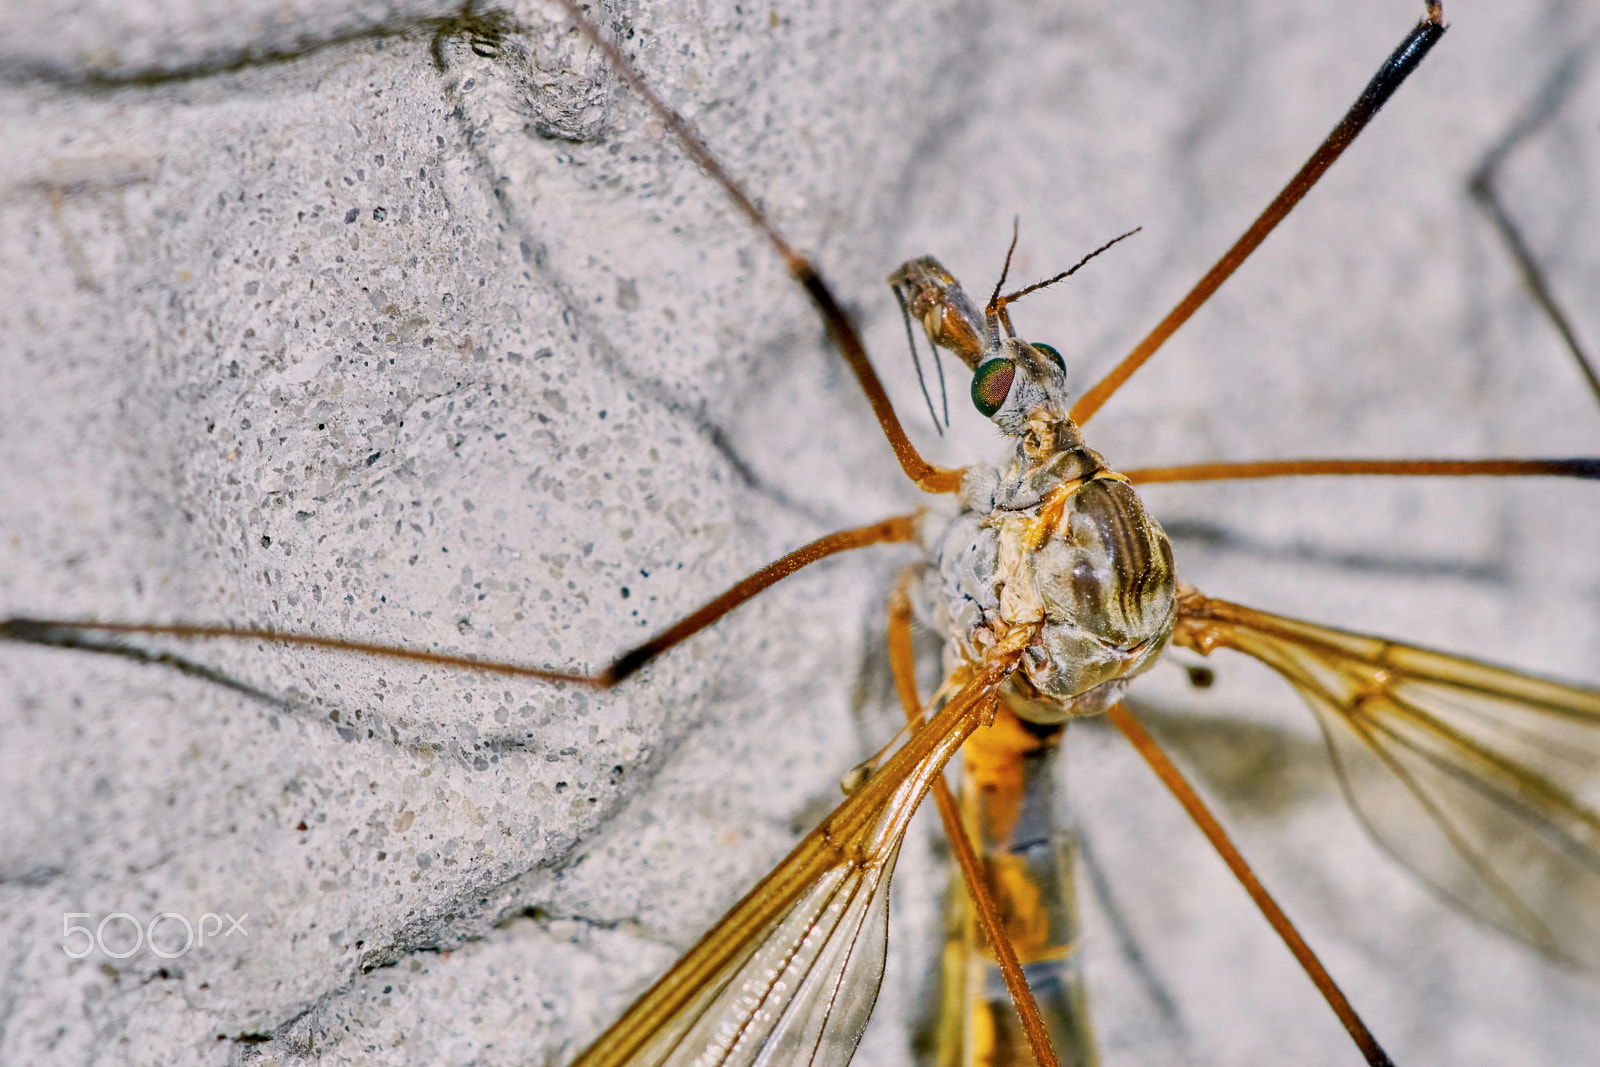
x=1058, y=539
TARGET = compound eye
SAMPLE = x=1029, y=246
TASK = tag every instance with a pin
x=991, y=384
x=1049, y=350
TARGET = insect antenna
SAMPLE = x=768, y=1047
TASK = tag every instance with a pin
x=996, y=307
x=999, y=303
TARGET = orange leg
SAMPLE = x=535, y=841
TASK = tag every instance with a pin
x=1288, y=468
x=905, y=681
x=926, y=476
x=1173, y=779
x=1401, y=62
x=72, y=633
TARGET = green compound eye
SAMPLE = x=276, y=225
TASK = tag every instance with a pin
x=1050, y=351
x=991, y=384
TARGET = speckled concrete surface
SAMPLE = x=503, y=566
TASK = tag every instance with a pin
x=315, y=317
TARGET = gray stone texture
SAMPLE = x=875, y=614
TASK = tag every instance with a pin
x=313, y=317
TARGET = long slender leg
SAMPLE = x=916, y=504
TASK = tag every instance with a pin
x=926, y=476
x=1401, y=62
x=1011, y=803
x=1173, y=779
x=972, y=872
x=1585, y=467
x=67, y=633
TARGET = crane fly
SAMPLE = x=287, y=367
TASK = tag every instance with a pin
x=407, y=725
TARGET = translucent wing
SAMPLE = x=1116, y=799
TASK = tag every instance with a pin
x=1481, y=780
x=803, y=995
x=791, y=974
